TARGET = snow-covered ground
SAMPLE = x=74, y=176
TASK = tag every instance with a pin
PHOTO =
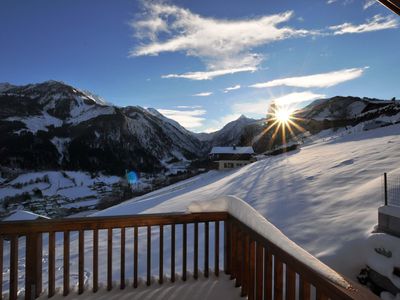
x=324, y=196
x=212, y=288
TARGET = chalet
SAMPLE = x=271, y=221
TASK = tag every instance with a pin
x=232, y=157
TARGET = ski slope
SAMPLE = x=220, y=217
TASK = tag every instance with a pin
x=324, y=196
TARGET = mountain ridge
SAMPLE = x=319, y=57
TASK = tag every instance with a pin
x=52, y=125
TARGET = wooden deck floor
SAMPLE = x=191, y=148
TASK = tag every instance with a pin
x=212, y=288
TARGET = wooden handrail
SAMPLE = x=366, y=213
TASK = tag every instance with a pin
x=91, y=223
x=257, y=265
x=393, y=5
x=324, y=286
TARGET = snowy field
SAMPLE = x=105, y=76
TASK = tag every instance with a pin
x=324, y=197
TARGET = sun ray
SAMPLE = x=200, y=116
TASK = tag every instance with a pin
x=282, y=121
x=297, y=126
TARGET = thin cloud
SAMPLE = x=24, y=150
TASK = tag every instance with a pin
x=232, y=88
x=344, y=2
x=204, y=94
x=368, y=4
x=323, y=80
x=207, y=75
x=296, y=98
x=188, y=106
x=187, y=118
x=224, y=46
x=260, y=107
x=377, y=22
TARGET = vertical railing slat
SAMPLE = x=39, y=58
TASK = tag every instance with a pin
x=135, y=257
x=227, y=246
x=239, y=257
x=148, y=280
x=1, y=266
x=33, y=265
x=66, y=264
x=38, y=264
x=290, y=284
x=52, y=262
x=95, y=260
x=13, y=267
x=161, y=256
x=122, y=260
x=81, y=259
x=320, y=295
x=206, y=249
x=216, y=249
x=109, y=258
x=278, y=278
x=267, y=274
x=252, y=270
x=184, y=251
x=259, y=271
x=196, y=251
x=234, y=252
x=245, y=265
x=173, y=253
x=304, y=289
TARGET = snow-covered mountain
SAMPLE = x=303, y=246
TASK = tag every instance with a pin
x=232, y=133
x=331, y=113
x=341, y=108
x=53, y=125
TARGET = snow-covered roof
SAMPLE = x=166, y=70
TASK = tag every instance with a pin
x=232, y=150
x=23, y=215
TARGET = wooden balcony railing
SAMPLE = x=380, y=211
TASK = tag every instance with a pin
x=262, y=269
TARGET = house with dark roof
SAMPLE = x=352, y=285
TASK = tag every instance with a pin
x=232, y=157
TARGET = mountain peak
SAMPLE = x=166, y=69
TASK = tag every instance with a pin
x=5, y=86
x=51, y=82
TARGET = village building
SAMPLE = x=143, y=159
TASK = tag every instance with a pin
x=232, y=157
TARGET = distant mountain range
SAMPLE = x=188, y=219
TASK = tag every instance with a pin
x=52, y=125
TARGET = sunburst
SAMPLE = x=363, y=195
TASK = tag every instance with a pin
x=282, y=120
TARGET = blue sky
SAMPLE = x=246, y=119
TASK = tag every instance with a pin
x=204, y=63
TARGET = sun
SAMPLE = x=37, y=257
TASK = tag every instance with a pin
x=283, y=115
x=283, y=122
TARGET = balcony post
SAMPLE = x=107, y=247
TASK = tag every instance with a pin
x=33, y=276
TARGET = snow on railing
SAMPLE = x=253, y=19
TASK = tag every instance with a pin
x=254, y=220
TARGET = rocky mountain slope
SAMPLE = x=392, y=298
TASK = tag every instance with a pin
x=52, y=125
x=233, y=133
